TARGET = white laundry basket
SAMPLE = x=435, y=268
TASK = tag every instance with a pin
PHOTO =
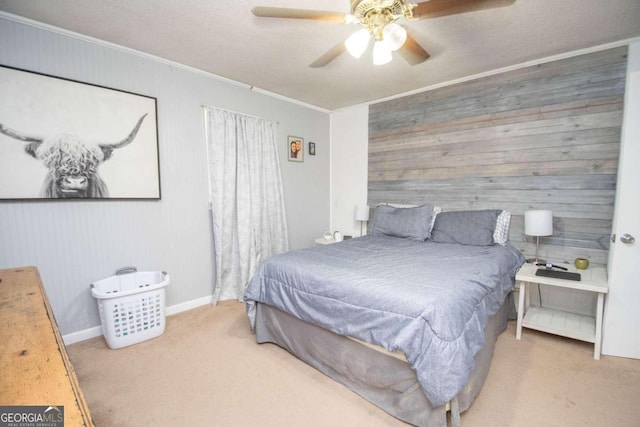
x=131, y=305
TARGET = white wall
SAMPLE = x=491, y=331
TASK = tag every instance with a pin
x=76, y=242
x=307, y=184
x=349, y=160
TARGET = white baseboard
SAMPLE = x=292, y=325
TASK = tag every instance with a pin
x=96, y=331
x=179, y=308
x=85, y=334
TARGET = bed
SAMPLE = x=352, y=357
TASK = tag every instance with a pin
x=407, y=316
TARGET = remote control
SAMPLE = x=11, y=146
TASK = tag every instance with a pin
x=549, y=266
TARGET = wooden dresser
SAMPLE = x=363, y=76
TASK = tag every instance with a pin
x=34, y=367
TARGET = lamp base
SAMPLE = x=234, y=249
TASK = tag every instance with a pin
x=536, y=259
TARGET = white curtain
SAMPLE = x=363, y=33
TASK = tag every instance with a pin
x=247, y=199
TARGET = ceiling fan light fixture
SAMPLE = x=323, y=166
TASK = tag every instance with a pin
x=358, y=42
x=381, y=53
x=394, y=36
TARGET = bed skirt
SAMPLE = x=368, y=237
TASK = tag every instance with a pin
x=386, y=381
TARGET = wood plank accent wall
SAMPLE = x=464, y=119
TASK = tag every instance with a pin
x=541, y=137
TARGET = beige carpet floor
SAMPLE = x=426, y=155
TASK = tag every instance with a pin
x=207, y=370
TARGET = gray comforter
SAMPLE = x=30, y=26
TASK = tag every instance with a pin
x=428, y=300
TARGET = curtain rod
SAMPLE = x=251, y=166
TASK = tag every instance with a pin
x=237, y=112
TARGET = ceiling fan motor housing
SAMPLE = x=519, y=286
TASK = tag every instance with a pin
x=395, y=8
x=375, y=14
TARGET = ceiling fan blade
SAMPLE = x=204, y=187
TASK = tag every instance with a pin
x=436, y=8
x=412, y=52
x=283, y=12
x=329, y=56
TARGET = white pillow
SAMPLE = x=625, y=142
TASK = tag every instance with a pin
x=501, y=233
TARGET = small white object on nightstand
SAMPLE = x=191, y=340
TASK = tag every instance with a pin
x=585, y=328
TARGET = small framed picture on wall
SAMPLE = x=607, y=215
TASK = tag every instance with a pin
x=296, y=149
x=312, y=148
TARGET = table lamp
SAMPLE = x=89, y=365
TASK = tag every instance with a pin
x=538, y=223
x=361, y=213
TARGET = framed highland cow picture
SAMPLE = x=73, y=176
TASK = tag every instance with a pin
x=67, y=140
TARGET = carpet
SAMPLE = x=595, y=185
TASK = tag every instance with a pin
x=207, y=370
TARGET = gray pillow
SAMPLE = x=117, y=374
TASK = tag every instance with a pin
x=473, y=228
x=411, y=223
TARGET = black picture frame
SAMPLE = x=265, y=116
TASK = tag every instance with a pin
x=312, y=148
x=62, y=139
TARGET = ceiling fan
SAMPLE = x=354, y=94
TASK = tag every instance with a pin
x=378, y=21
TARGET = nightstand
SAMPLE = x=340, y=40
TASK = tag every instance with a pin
x=572, y=325
x=323, y=241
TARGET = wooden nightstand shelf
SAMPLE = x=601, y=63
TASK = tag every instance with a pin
x=577, y=326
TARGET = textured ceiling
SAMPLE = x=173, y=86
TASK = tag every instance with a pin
x=223, y=37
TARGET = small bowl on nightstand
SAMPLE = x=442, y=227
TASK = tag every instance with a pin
x=581, y=263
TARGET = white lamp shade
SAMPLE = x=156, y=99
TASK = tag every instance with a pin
x=357, y=43
x=381, y=53
x=538, y=223
x=361, y=213
x=394, y=36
